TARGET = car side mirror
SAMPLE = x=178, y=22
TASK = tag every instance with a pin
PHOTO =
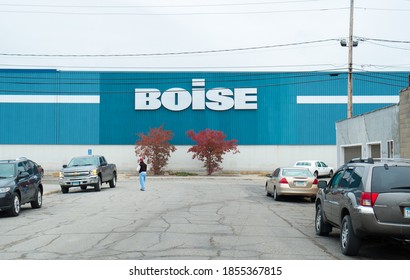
x=65, y=165
x=269, y=175
x=322, y=184
x=104, y=164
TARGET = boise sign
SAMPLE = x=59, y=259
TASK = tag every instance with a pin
x=178, y=99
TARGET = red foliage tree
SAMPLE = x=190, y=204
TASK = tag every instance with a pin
x=155, y=147
x=210, y=148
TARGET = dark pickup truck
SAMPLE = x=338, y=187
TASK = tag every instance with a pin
x=87, y=171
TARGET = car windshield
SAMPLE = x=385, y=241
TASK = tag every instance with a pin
x=7, y=170
x=296, y=173
x=83, y=161
x=391, y=179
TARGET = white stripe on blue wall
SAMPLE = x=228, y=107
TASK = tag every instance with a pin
x=341, y=99
x=77, y=99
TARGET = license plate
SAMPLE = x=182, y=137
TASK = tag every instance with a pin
x=76, y=183
x=299, y=183
x=406, y=212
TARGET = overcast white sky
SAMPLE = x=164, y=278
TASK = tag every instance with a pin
x=129, y=35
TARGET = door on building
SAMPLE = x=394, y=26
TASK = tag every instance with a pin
x=374, y=150
x=351, y=152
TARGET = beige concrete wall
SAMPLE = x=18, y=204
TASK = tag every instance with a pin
x=404, y=120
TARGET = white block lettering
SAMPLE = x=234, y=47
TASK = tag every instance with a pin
x=246, y=99
x=198, y=94
x=220, y=99
x=176, y=99
x=147, y=99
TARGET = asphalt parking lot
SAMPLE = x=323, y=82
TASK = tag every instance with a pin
x=193, y=218
x=175, y=218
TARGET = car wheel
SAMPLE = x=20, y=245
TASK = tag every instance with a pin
x=113, y=181
x=331, y=173
x=266, y=190
x=83, y=188
x=316, y=174
x=97, y=185
x=276, y=196
x=349, y=242
x=321, y=227
x=312, y=198
x=38, y=201
x=15, y=209
x=64, y=189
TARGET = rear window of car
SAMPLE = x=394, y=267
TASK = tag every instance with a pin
x=296, y=172
x=303, y=163
x=391, y=179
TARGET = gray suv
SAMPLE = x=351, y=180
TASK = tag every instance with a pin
x=365, y=198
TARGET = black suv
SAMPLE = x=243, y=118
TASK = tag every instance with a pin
x=365, y=198
x=20, y=183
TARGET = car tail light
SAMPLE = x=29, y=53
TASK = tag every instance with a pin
x=368, y=198
x=283, y=181
x=315, y=182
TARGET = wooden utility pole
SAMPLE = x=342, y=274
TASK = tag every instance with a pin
x=350, y=65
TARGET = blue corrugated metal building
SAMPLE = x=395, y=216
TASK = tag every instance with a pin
x=99, y=108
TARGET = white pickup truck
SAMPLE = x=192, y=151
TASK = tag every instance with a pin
x=87, y=171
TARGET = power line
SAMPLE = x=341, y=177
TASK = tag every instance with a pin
x=185, y=6
x=176, y=90
x=390, y=74
x=176, y=14
x=195, y=6
x=390, y=47
x=179, y=68
x=258, y=86
x=383, y=40
x=369, y=74
x=240, y=68
x=382, y=9
x=159, y=6
x=232, y=77
x=375, y=41
x=378, y=66
x=243, y=68
x=182, y=6
x=236, y=78
x=254, y=48
x=380, y=83
x=170, y=53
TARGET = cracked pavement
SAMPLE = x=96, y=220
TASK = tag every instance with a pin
x=175, y=218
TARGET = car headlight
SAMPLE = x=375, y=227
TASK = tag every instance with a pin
x=61, y=174
x=4, y=190
x=93, y=172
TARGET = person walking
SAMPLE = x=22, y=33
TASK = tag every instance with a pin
x=142, y=169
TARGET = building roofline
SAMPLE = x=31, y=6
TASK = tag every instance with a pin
x=371, y=112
